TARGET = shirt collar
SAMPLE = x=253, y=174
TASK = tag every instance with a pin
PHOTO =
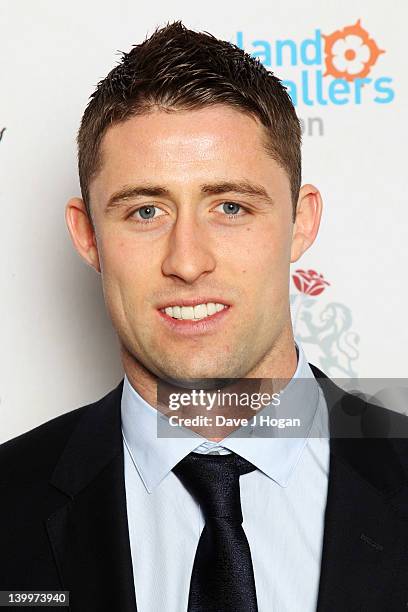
x=154, y=457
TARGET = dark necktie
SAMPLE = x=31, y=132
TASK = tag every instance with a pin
x=222, y=579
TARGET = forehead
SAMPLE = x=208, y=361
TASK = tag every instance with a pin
x=200, y=130
x=185, y=146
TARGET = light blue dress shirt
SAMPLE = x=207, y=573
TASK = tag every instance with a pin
x=283, y=501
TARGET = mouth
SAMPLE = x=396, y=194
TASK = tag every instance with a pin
x=195, y=312
x=194, y=316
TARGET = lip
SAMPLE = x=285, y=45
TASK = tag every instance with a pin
x=189, y=327
x=194, y=302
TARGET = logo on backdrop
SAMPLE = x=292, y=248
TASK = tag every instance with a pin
x=341, y=68
x=350, y=53
x=329, y=328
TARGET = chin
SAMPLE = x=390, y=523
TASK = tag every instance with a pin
x=203, y=378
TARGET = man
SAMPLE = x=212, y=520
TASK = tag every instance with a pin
x=192, y=210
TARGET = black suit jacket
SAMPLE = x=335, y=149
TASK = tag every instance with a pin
x=63, y=521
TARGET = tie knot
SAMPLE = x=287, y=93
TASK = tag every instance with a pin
x=213, y=480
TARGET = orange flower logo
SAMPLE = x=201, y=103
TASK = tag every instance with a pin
x=350, y=53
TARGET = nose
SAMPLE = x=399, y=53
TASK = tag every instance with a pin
x=189, y=252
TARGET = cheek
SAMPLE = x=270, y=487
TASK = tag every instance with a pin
x=263, y=271
x=264, y=253
x=122, y=259
x=125, y=276
x=124, y=273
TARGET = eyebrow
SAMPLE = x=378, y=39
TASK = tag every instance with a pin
x=130, y=192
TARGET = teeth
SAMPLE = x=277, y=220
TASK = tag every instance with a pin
x=176, y=312
x=194, y=312
x=211, y=309
x=200, y=311
x=187, y=312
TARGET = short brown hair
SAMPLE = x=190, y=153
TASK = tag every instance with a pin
x=179, y=69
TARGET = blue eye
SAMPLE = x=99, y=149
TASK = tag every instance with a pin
x=231, y=208
x=147, y=212
x=231, y=211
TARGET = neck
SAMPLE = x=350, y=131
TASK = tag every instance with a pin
x=276, y=368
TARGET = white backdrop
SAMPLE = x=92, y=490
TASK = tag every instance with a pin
x=58, y=350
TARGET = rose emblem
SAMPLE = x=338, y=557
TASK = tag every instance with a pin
x=309, y=282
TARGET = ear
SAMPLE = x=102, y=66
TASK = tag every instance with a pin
x=82, y=232
x=308, y=214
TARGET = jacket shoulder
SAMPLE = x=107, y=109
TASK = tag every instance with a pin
x=37, y=449
x=32, y=455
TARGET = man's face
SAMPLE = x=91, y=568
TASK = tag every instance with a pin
x=211, y=221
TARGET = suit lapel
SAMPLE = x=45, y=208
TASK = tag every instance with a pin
x=89, y=534
x=366, y=530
